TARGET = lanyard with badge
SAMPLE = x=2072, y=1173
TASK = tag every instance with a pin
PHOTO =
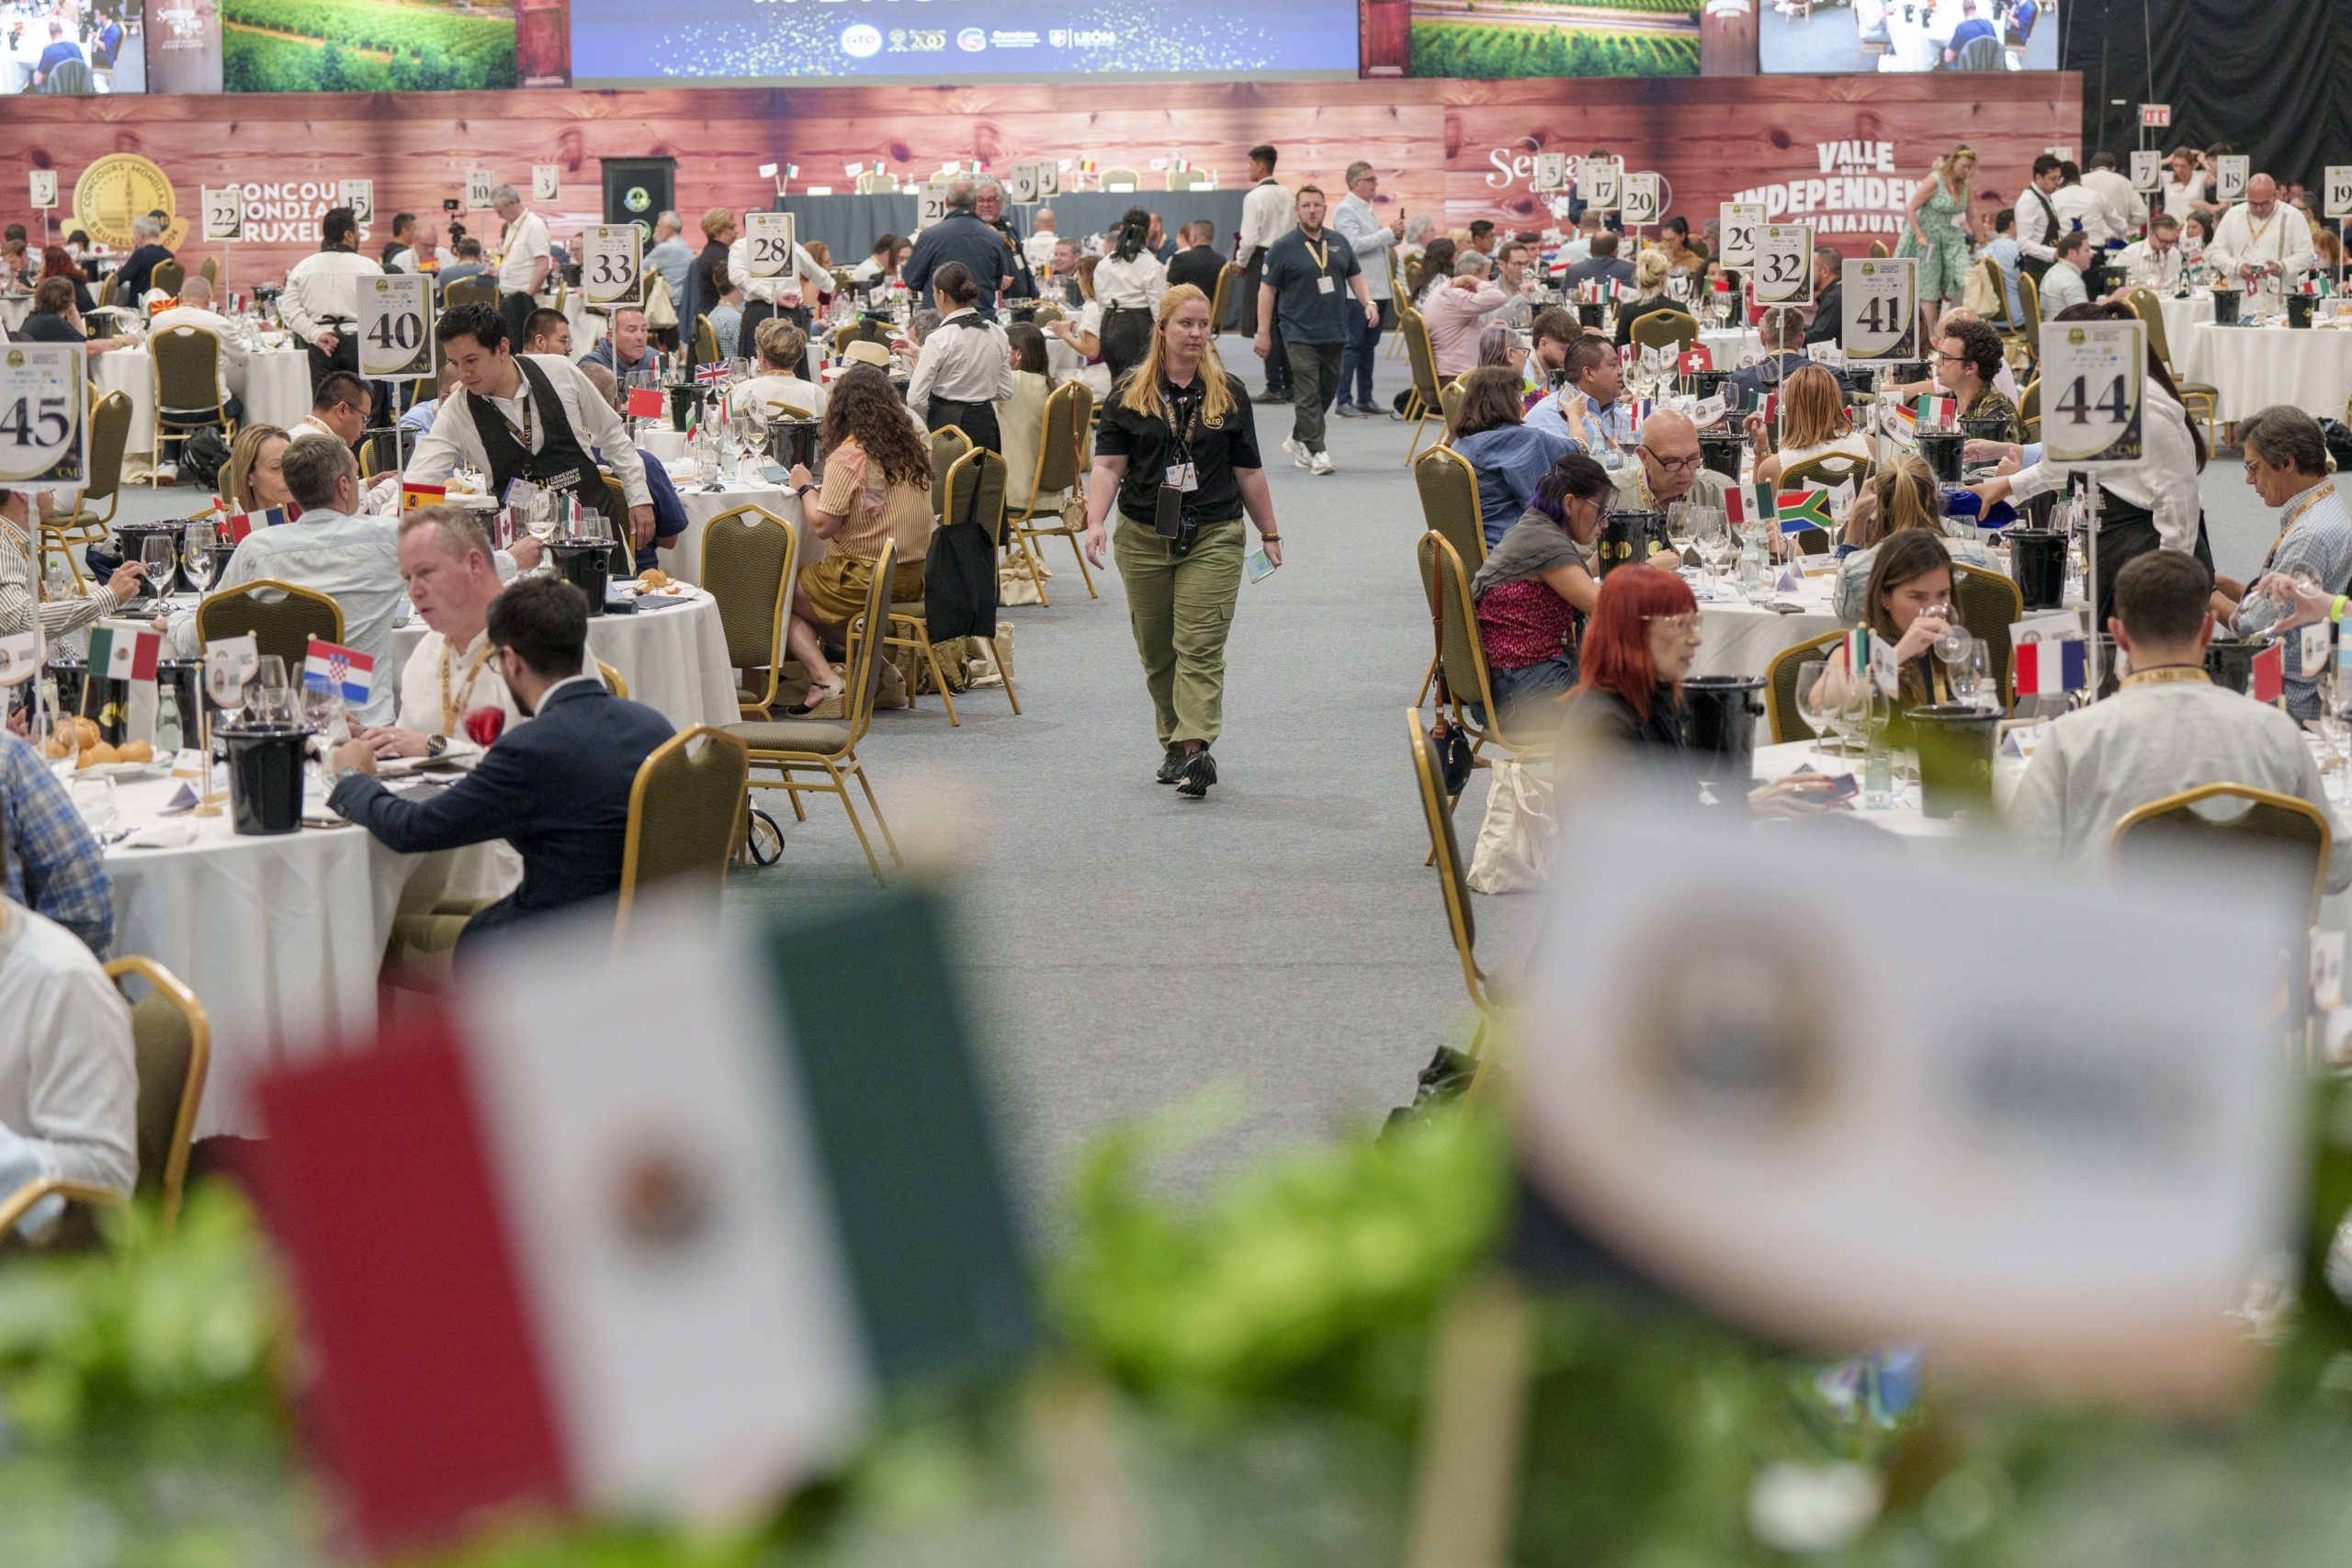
x=1322, y=255
x=1183, y=475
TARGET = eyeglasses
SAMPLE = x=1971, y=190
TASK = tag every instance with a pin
x=1673, y=465
x=1951, y=359
x=1684, y=623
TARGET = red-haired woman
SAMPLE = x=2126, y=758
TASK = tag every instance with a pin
x=1637, y=650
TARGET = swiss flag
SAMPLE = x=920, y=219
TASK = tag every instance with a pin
x=1697, y=359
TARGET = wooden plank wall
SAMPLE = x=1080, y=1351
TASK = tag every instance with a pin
x=1434, y=141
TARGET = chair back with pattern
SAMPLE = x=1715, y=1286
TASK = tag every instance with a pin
x=1453, y=883
x=172, y=1037
x=169, y=276
x=1780, y=686
x=2030, y=409
x=974, y=492
x=1421, y=354
x=1459, y=653
x=948, y=444
x=210, y=269
x=1228, y=278
x=109, y=435
x=1449, y=488
x=863, y=681
x=188, y=376
x=1661, y=328
x=747, y=567
x=1062, y=440
x=705, y=342
x=379, y=453
x=2029, y=304
x=2145, y=306
x=685, y=811
x=2269, y=821
x=1989, y=606
x=474, y=290
x=1828, y=471
x=1449, y=400
x=281, y=618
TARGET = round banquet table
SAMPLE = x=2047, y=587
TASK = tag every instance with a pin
x=674, y=659
x=277, y=391
x=1731, y=347
x=682, y=556
x=2254, y=368
x=1905, y=815
x=1741, y=638
x=281, y=936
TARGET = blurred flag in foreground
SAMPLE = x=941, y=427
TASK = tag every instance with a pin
x=645, y=1234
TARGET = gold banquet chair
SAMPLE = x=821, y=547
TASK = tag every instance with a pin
x=1780, y=686
x=475, y=290
x=378, y=453
x=172, y=1036
x=281, y=617
x=168, y=276
x=1061, y=465
x=1228, y=278
x=2030, y=410
x=1425, y=402
x=187, y=370
x=1122, y=179
x=1449, y=492
x=2194, y=396
x=1665, y=328
x=2029, y=306
x=612, y=679
x=82, y=524
x=795, y=748
x=705, y=342
x=948, y=445
x=1187, y=179
x=2270, y=821
x=1990, y=607
x=685, y=814
x=749, y=557
x=972, y=498
x=1460, y=654
x=210, y=269
x=1453, y=885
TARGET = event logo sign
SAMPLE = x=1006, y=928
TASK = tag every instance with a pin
x=285, y=212
x=116, y=189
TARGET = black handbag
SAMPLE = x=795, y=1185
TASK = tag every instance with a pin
x=201, y=456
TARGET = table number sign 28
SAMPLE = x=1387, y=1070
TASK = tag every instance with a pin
x=44, y=437
x=772, y=237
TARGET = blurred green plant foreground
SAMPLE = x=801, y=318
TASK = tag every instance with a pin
x=1266, y=1360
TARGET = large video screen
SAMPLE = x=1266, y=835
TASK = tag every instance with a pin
x=366, y=46
x=78, y=50
x=1486, y=40
x=619, y=43
x=1797, y=38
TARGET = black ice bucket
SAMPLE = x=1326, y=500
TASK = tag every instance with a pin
x=265, y=776
x=587, y=565
x=1955, y=744
x=2038, y=565
x=1719, y=715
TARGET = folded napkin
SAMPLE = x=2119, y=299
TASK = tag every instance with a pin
x=162, y=836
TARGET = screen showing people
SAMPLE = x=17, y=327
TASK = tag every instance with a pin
x=1795, y=36
x=72, y=49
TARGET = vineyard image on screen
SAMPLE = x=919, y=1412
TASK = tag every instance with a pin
x=1489, y=39
x=364, y=46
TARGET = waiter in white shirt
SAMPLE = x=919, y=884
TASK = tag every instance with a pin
x=2126, y=211
x=1265, y=218
x=526, y=256
x=69, y=1077
x=195, y=310
x=2038, y=224
x=320, y=304
x=2262, y=244
x=2079, y=207
x=2155, y=261
x=529, y=416
x=966, y=366
x=786, y=294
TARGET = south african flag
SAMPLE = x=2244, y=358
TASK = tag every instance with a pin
x=1806, y=508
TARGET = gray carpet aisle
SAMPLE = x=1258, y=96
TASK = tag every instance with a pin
x=1281, y=937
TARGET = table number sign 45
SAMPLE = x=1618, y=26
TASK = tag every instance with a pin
x=44, y=436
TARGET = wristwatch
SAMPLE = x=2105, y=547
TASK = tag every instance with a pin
x=436, y=744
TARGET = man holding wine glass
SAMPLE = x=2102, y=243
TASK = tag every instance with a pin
x=448, y=691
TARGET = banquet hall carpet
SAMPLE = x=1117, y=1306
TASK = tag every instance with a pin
x=1282, y=937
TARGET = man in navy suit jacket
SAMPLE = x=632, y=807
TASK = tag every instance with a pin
x=1603, y=263
x=556, y=788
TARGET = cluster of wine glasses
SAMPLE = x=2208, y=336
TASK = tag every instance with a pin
x=1655, y=370
x=1692, y=525
x=1834, y=706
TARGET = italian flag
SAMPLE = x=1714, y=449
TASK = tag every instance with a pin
x=1938, y=413
x=2046, y=667
x=576, y=1244
x=121, y=651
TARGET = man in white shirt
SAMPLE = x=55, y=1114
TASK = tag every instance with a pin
x=195, y=310
x=528, y=417
x=764, y=297
x=320, y=305
x=2038, y=224
x=2168, y=728
x=2062, y=285
x=2125, y=208
x=2156, y=260
x=1265, y=218
x=2079, y=207
x=339, y=413
x=1359, y=223
x=330, y=549
x=2263, y=244
x=526, y=256
x=1039, y=246
x=69, y=1075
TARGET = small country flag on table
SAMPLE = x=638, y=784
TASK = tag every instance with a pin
x=2046, y=667
x=2269, y=673
x=123, y=653
x=645, y=403
x=1806, y=508
x=1697, y=359
x=1938, y=413
x=414, y=494
x=712, y=374
x=244, y=522
x=331, y=667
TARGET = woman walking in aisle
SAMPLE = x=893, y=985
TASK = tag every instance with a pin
x=1176, y=450
x=1936, y=230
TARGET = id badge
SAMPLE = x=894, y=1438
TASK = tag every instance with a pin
x=1324, y=285
x=1182, y=477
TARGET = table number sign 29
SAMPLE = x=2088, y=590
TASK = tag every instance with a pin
x=2094, y=376
x=396, y=328
x=44, y=436
x=1740, y=222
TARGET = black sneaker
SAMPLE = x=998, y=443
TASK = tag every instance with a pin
x=1272, y=395
x=1171, y=766
x=1200, y=772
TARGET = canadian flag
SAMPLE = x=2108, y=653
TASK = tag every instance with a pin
x=575, y=1243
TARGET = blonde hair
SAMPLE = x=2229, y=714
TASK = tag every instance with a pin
x=1086, y=265
x=1649, y=273
x=1817, y=408
x=716, y=222
x=1903, y=496
x=781, y=343
x=461, y=534
x=1138, y=391
x=236, y=474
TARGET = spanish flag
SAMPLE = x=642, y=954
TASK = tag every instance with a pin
x=414, y=495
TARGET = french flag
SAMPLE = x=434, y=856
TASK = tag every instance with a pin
x=331, y=667
x=2043, y=668
x=573, y=1245
x=244, y=522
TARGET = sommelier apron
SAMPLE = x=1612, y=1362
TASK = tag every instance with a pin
x=561, y=463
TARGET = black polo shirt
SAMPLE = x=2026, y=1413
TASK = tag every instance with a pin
x=1150, y=445
x=1303, y=309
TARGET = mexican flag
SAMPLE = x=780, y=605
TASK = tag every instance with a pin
x=122, y=651
x=579, y=1243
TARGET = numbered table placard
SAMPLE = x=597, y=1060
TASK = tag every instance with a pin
x=546, y=182
x=611, y=261
x=1551, y=172
x=396, y=328
x=479, y=183
x=1738, y=224
x=1049, y=179
x=44, y=434
x=931, y=205
x=1881, y=299
x=771, y=237
x=1020, y=185
x=1641, y=209
x=1597, y=183
x=224, y=212
x=2094, y=378
x=2147, y=169
x=360, y=196
x=1784, y=264
x=44, y=188
x=2338, y=191
x=2230, y=174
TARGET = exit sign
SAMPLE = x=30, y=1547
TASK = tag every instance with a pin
x=2155, y=116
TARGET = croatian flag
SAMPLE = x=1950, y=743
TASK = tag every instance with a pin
x=2046, y=667
x=123, y=651
x=244, y=522
x=331, y=667
x=567, y=1244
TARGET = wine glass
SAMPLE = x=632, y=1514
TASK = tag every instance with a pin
x=1965, y=668
x=267, y=695
x=1680, y=516
x=196, y=555
x=1711, y=533
x=155, y=549
x=1817, y=705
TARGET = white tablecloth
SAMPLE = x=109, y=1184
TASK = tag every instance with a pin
x=277, y=391
x=13, y=309
x=1907, y=815
x=674, y=659
x=682, y=556
x=1732, y=346
x=2254, y=367
x=280, y=937
x=2182, y=317
x=1741, y=638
